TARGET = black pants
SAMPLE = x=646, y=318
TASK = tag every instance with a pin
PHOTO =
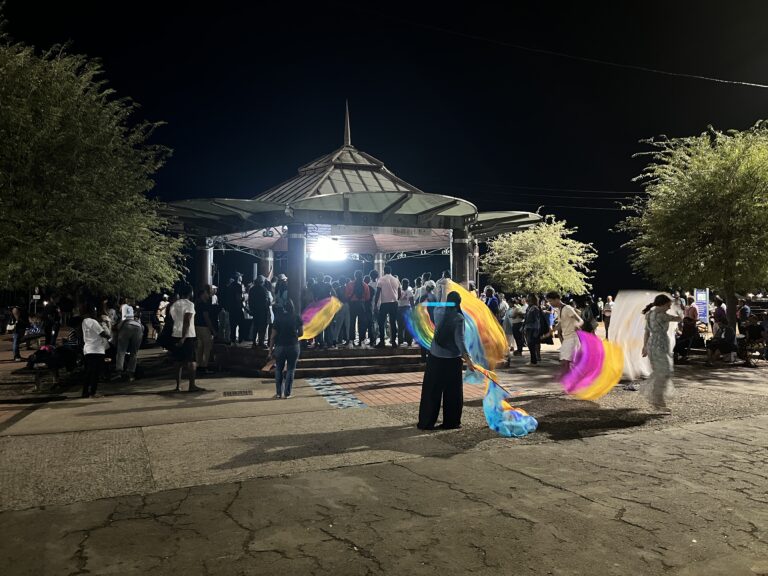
x=260, y=330
x=517, y=334
x=357, y=314
x=388, y=309
x=442, y=380
x=94, y=366
x=534, y=345
x=236, y=320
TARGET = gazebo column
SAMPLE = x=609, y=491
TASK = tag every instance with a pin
x=460, y=255
x=379, y=260
x=203, y=264
x=266, y=264
x=474, y=262
x=297, y=262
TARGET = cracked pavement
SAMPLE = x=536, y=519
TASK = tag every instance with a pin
x=153, y=485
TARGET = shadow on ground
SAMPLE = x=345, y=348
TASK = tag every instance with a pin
x=289, y=447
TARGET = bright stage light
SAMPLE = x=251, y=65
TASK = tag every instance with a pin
x=328, y=250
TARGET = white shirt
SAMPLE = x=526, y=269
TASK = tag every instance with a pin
x=442, y=291
x=405, y=298
x=93, y=341
x=607, y=308
x=126, y=311
x=388, y=285
x=569, y=321
x=178, y=310
x=162, y=309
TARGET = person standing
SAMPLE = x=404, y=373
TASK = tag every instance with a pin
x=184, y=345
x=341, y=319
x=373, y=319
x=234, y=306
x=358, y=295
x=20, y=325
x=387, y=295
x=533, y=328
x=743, y=313
x=258, y=303
x=284, y=346
x=443, y=376
x=95, y=338
x=607, y=311
x=656, y=348
x=691, y=311
x=130, y=333
x=322, y=291
x=442, y=286
x=491, y=301
x=404, y=304
x=205, y=331
x=162, y=309
x=503, y=306
x=568, y=322
x=428, y=297
x=281, y=291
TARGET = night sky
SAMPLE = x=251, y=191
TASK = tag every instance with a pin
x=251, y=93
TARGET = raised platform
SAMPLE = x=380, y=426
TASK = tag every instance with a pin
x=323, y=363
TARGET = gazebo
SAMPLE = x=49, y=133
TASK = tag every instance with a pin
x=344, y=204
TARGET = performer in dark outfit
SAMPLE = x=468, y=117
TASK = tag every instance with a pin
x=443, y=376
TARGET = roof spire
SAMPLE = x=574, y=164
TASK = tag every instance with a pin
x=347, y=135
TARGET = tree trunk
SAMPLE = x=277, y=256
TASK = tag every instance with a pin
x=731, y=304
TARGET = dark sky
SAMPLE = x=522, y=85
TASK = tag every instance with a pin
x=251, y=92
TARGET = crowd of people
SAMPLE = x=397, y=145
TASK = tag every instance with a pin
x=372, y=314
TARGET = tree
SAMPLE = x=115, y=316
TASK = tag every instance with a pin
x=704, y=219
x=541, y=258
x=74, y=171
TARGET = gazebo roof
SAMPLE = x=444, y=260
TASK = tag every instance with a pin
x=348, y=188
x=342, y=171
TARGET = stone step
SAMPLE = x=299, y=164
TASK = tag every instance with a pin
x=330, y=372
x=338, y=361
x=341, y=352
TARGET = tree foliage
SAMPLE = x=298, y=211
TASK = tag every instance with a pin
x=74, y=171
x=704, y=219
x=539, y=259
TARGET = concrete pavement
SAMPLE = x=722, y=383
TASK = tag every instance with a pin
x=142, y=481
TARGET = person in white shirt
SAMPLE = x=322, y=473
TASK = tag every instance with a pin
x=404, y=303
x=568, y=322
x=126, y=310
x=184, y=347
x=95, y=339
x=607, y=311
x=387, y=295
x=442, y=286
x=130, y=333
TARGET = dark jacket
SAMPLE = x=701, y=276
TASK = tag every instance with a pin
x=258, y=303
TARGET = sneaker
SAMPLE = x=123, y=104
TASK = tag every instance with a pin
x=351, y=345
x=277, y=397
x=288, y=396
x=18, y=359
x=631, y=387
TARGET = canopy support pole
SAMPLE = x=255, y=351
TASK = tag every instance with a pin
x=461, y=269
x=203, y=264
x=266, y=265
x=378, y=263
x=297, y=263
